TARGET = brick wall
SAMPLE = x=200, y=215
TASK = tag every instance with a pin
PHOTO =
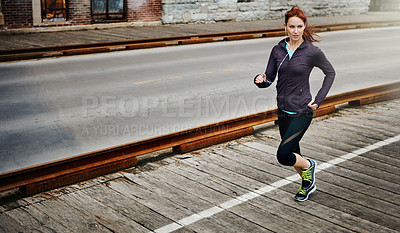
x=17, y=13
x=1, y=15
x=79, y=12
x=144, y=10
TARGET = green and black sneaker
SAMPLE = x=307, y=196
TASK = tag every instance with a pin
x=308, y=182
x=302, y=194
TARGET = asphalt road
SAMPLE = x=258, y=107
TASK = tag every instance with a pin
x=60, y=107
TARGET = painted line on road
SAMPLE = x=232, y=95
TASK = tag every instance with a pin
x=149, y=81
x=176, y=77
x=228, y=70
x=261, y=191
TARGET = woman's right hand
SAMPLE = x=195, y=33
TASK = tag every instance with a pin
x=261, y=79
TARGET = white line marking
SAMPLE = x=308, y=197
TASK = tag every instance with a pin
x=263, y=190
x=230, y=203
x=382, y=143
x=294, y=177
x=210, y=212
x=336, y=161
x=169, y=228
x=248, y=196
x=281, y=183
x=360, y=151
x=351, y=155
x=189, y=220
x=323, y=166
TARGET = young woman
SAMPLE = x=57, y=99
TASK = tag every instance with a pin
x=292, y=59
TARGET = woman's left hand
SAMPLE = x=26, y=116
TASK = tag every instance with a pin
x=313, y=105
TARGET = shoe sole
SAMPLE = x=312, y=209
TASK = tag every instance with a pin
x=311, y=191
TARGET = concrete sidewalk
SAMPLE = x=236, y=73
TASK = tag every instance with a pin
x=39, y=37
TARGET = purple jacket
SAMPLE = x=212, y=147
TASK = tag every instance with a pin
x=293, y=86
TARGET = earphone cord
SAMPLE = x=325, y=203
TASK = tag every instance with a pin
x=278, y=69
x=281, y=63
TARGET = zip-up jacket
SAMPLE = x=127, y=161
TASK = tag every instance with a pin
x=293, y=86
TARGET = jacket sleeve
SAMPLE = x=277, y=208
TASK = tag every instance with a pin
x=270, y=72
x=322, y=62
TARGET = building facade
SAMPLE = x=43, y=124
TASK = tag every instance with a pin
x=45, y=13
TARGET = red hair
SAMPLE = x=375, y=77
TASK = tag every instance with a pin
x=308, y=34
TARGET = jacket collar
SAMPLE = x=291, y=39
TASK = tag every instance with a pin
x=303, y=45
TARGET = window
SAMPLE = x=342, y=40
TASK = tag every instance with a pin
x=103, y=10
x=54, y=10
x=375, y=5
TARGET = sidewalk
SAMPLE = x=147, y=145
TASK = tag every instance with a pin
x=22, y=39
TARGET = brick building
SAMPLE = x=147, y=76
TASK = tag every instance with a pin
x=43, y=13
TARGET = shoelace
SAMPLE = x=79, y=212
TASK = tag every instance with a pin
x=302, y=191
x=306, y=175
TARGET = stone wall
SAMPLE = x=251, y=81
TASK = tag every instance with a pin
x=194, y=11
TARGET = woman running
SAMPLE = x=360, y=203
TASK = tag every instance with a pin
x=292, y=59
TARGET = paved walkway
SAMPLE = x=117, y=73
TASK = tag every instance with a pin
x=18, y=39
x=238, y=186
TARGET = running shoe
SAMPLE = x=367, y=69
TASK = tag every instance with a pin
x=302, y=194
x=308, y=182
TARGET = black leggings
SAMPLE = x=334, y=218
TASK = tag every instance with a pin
x=291, y=129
